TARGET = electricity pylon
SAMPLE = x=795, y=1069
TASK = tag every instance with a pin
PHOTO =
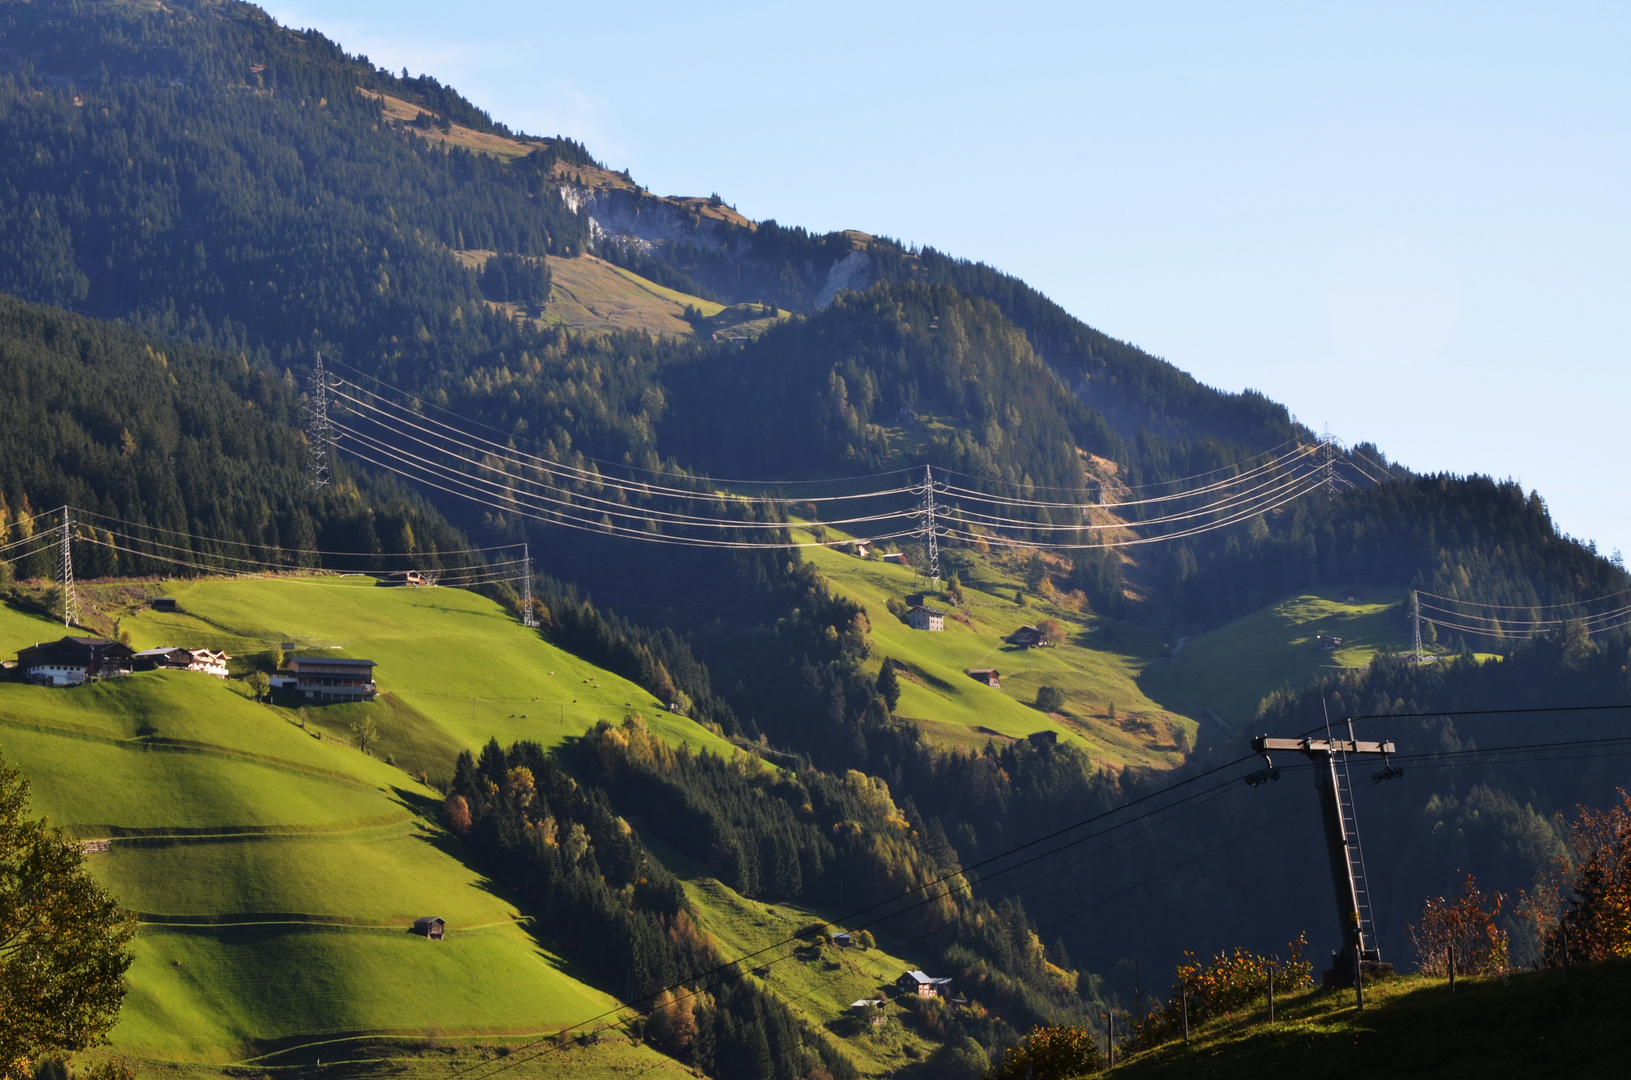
x=70, y=596
x=319, y=435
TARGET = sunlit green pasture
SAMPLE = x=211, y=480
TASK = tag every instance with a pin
x=817, y=983
x=386, y=876
x=954, y=708
x=276, y=866
x=453, y=657
x=1231, y=669
x=224, y=993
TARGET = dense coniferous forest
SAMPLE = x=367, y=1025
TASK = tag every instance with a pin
x=154, y=435
x=226, y=191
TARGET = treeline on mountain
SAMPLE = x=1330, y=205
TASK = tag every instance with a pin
x=785, y=265
x=639, y=259
x=174, y=443
x=1133, y=389
x=564, y=830
x=1469, y=538
x=184, y=191
x=813, y=397
x=516, y=278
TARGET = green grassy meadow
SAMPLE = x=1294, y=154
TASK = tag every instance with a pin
x=817, y=983
x=955, y=709
x=454, y=666
x=276, y=868
x=1231, y=669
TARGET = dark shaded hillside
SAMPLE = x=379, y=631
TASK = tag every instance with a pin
x=1470, y=538
x=178, y=438
x=956, y=382
x=209, y=173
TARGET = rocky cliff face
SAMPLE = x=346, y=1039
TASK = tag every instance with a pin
x=637, y=217
x=713, y=245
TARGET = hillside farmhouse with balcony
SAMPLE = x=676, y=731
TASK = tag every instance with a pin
x=330, y=678
x=72, y=660
x=171, y=658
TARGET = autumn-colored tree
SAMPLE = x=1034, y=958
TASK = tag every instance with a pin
x=1051, y=631
x=63, y=941
x=1586, y=906
x=456, y=814
x=1464, y=925
x=672, y=1025
x=1049, y=1053
x=519, y=786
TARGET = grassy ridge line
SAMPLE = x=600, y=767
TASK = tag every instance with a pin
x=1527, y=1024
x=442, y=654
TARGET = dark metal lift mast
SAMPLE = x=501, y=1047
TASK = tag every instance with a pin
x=1329, y=756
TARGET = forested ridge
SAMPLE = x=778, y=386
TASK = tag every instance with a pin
x=150, y=435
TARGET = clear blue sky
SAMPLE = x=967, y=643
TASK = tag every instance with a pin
x=1410, y=221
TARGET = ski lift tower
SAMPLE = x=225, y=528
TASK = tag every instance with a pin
x=1359, y=953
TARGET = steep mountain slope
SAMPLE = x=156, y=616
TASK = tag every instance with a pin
x=209, y=177
x=277, y=870
x=1105, y=712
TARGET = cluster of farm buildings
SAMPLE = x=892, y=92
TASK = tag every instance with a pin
x=75, y=660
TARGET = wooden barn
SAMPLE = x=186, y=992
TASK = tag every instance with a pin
x=987, y=675
x=1026, y=637
x=433, y=927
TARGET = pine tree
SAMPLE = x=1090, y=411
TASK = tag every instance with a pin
x=889, y=684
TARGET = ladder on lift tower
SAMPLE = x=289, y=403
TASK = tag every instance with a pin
x=1356, y=858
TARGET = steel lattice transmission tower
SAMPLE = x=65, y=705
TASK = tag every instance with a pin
x=319, y=434
x=1415, y=618
x=527, y=617
x=70, y=596
x=1328, y=463
x=928, y=531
